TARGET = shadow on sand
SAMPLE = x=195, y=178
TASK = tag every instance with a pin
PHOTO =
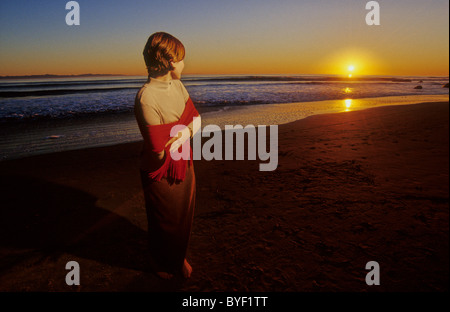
x=39, y=217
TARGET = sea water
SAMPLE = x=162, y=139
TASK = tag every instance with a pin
x=55, y=114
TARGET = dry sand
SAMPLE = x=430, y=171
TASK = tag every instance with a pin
x=354, y=187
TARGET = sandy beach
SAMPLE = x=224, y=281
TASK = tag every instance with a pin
x=47, y=136
x=351, y=187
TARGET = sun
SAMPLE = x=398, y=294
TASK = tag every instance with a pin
x=350, y=68
x=352, y=60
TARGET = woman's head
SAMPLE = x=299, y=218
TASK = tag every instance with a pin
x=164, y=53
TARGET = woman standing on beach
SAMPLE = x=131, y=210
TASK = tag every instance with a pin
x=169, y=185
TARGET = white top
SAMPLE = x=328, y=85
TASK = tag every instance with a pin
x=160, y=102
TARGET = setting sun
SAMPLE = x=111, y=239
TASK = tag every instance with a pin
x=351, y=68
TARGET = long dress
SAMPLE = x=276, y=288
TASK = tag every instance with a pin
x=169, y=186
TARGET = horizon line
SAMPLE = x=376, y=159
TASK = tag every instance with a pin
x=195, y=74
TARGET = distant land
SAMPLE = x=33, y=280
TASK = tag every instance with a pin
x=59, y=76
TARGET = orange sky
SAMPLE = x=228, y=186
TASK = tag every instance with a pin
x=236, y=37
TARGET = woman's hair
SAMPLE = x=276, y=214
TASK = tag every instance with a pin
x=161, y=49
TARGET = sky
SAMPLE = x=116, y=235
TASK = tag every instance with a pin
x=227, y=37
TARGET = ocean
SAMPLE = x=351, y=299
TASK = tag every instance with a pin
x=55, y=114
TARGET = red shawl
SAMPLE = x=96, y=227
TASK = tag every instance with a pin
x=160, y=135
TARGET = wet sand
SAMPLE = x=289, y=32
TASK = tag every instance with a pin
x=22, y=139
x=351, y=187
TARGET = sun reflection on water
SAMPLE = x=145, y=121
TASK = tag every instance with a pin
x=348, y=104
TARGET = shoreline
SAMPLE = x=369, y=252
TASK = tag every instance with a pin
x=38, y=138
x=278, y=114
x=367, y=185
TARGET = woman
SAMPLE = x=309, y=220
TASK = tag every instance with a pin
x=169, y=185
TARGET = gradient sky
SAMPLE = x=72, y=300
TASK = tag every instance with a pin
x=227, y=36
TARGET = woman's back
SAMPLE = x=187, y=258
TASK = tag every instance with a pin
x=160, y=102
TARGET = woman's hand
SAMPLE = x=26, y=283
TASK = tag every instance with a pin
x=179, y=140
x=173, y=139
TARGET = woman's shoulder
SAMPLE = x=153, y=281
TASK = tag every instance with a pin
x=181, y=88
x=146, y=108
x=178, y=84
x=145, y=96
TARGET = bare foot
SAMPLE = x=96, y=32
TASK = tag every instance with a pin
x=187, y=269
x=164, y=275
